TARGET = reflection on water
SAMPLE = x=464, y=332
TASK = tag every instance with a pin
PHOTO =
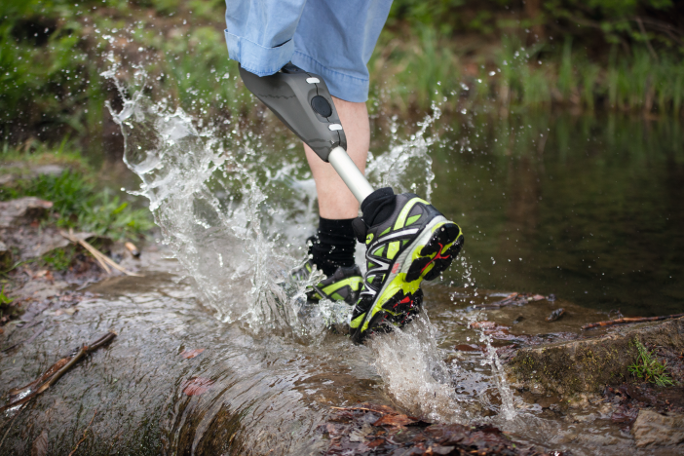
x=587, y=208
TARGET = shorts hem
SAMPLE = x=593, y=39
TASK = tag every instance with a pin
x=257, y=59
x=340, y=85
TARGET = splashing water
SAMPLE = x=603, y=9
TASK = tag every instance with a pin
x=212, y=213
x=407, y=158
x=230, y=216
x=211, y=199
x=491, y=358
x=415, y=375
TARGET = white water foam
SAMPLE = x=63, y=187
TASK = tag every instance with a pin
x=414, y=372
x=214, y=216
x=407, y=166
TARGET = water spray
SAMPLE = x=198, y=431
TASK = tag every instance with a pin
x=301, y=100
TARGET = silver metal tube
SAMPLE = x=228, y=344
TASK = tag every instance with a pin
x=350, y=174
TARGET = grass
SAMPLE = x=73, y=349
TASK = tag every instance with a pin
x=4, y=300
x=79, y=204
x=60, y=259
x=410, y=71
x=54, y=54
x=648, y=368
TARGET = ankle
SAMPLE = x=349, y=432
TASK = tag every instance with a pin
x=334, y=245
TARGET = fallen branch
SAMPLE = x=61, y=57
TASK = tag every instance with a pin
x=101, y=258
x=18, y=397
x=84, y=435
x=513, y=299
x=629, y=320
x=358, y=408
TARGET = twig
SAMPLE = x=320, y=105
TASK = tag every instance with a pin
x=103, y=260
x=629, y=320
x=54, y=373
x=84, y=435
x=358, y=408
x=8, y=429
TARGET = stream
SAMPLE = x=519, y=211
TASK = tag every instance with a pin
x=586, y=209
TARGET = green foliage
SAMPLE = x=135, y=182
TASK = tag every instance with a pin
x=53, y=52
x=611, y=21
x=59, y=259
x=4, y=300
x=648, y=368
x=78, y=204
x=617, y=21
x=425, y=68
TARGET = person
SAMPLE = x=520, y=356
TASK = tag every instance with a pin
x=407, y=240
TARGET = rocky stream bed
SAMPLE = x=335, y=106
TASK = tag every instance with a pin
x=174, y=380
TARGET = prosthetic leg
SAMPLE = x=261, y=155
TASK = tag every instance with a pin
x=302, y=101
x=407, y=239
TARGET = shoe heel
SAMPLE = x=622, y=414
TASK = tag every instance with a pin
x=438, y=253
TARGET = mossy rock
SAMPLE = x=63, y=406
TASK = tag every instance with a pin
x=588, y=365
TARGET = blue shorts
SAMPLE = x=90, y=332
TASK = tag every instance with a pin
x=332, y=38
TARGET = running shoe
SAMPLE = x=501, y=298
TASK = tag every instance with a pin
x=415, y=243
x=343, y=285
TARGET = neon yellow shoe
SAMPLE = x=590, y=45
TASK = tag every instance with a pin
x=416, y=243
x=343, y=285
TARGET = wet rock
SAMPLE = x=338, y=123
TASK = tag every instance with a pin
x=22, y=210
x=32, y=242
x=567, y=368
x=653, y=429
x=40, y=289
x=556, y=314
x=24, y=171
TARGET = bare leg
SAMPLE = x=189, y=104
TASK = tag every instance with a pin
x=335, y=201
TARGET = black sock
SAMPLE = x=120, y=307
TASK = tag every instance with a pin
x=378, y=206
x=333, y=246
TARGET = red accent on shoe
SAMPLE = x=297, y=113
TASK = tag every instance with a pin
x=403, y=301
x=437, y=257
x=395, y=268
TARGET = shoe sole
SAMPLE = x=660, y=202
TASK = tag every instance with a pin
x=428, y=256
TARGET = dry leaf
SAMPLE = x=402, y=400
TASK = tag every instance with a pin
x=483, y=325
x=68, y=311
x=196, y=386
x=395, y=420
x=189, y=354
x=40, y=445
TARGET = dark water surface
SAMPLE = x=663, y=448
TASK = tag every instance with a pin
x=589, y=208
